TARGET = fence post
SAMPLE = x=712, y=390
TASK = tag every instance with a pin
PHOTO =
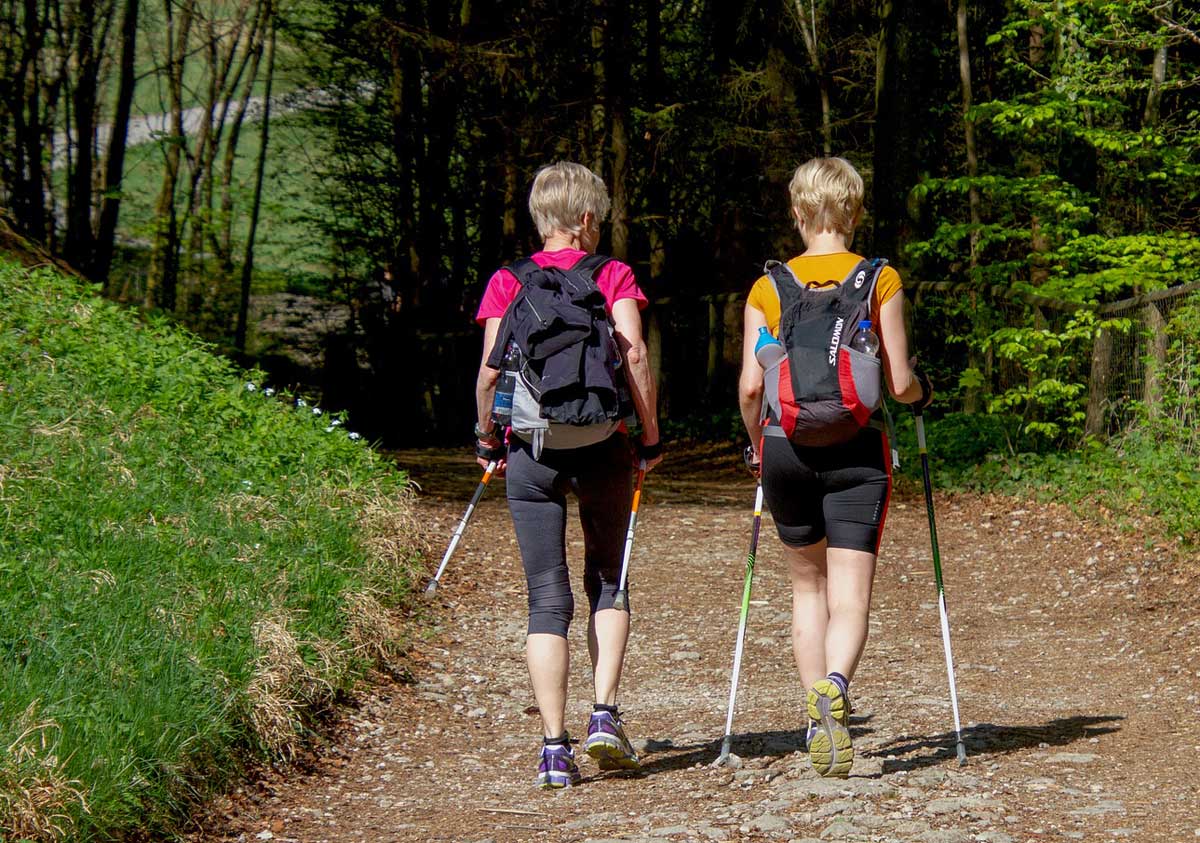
x=1156, y=358
x=1098, y=381
x=715, y=337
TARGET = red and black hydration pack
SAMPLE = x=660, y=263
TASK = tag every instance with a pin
x=823, y=392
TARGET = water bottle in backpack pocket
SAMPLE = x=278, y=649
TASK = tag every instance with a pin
x=502, y=405
x=823, y=390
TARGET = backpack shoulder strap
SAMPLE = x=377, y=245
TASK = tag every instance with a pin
x=589, y=266
x=787, y=285
x=860, y=283
x=523, y=268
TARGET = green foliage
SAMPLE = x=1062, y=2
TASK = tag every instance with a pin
x=1087, y=186
x=154, y=511
x=1050, y=399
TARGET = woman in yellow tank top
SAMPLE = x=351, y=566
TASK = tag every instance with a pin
x=829, y=502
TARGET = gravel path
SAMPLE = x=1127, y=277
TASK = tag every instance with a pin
x=1078, y=676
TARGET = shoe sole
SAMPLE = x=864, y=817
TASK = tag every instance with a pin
x=830, y=751
x=610, y=755
x=557, y=781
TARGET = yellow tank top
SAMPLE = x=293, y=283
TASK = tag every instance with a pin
x=821, y=269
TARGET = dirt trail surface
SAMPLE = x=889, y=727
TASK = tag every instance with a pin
x=1078, y=677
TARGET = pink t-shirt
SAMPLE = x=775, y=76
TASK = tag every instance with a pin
x=615, y=281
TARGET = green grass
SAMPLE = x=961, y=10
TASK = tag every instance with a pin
x=1146, y=478
x=156, y=514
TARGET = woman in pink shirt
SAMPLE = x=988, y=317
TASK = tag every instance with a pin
x=568, y=202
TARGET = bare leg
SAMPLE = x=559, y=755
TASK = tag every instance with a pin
x=851, y=574
x=810, y=614
x=608, y=632
x=549, y=662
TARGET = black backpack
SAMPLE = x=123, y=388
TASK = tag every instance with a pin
x=822, y=392
x=558, y=339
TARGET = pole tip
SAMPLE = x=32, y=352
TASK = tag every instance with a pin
x=431, y=589
x=962, y=754
x=619, y=602
x=723, y=758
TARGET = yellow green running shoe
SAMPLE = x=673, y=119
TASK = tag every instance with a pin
x=829, y=747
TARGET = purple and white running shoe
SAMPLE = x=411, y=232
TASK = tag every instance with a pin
x=606, y=742
x=557, y=768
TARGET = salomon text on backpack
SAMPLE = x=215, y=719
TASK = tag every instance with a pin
x=556, y=342
x=822, y=392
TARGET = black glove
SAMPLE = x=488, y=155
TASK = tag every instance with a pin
x=926, y=391
x=491, y=453
x=753, y=460
x=648, y=452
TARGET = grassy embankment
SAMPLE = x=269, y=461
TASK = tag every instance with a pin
x=189, y=570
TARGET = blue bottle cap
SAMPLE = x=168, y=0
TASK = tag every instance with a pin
x=865, y=324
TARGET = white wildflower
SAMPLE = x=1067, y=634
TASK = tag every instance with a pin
x=300, y=402
x=269, y=391
x=251, y=387
x=316, y=411
x=354, y=436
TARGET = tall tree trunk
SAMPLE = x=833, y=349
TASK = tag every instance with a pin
x=599, y=111
x=110, y=202
x=256, y=205
x=30, y=95
x=1040, y=244
x=163, y=273
x=223, y=241
x=808, y=27
x=78, y=244
x=655, y=199
x=974, y=361
x=618, y=60
x=1158, y=75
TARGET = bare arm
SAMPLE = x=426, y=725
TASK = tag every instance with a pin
x=750, y=384
x=897, y=366
x=485, y=391
x=628, y=329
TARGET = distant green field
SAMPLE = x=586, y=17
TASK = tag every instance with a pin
x=189, y=569
x=151, y=95
x=288, y=248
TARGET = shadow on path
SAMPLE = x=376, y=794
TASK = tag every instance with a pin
x=991, y=739
x=664, y=756
x=985, y=739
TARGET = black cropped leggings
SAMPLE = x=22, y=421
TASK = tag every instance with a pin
x=600, y=476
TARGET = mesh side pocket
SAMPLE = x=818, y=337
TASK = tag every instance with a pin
x=866, y=371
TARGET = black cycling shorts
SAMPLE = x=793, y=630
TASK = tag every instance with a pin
x=836, y=492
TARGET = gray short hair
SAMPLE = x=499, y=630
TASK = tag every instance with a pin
x=562, y=193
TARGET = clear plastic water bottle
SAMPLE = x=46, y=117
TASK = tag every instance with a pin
x=768, y=350
x=503, y=403
x=865, y=340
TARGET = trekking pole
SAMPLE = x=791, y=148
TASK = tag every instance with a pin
x=937, y=575
x=727, y=743
x=621, y=600
x=462, y=525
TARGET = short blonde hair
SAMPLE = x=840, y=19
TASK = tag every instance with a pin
x=562, y=193
x=827, y=193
